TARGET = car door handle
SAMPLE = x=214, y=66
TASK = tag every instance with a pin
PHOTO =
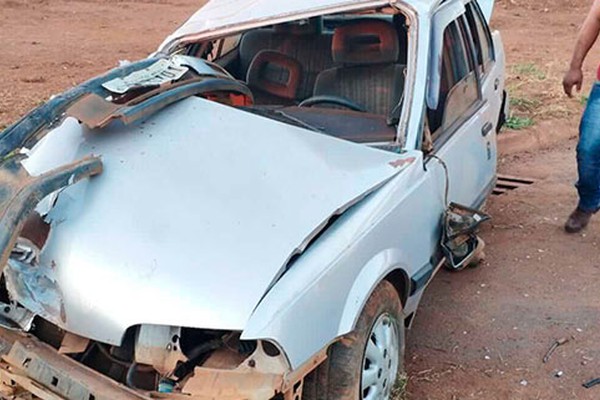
x=487, y=128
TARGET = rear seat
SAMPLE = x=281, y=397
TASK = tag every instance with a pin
x=304, y=42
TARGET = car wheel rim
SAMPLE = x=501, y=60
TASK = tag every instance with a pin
x=381, y=360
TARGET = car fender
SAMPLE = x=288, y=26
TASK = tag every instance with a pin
x=317, y=300
x=375, y=271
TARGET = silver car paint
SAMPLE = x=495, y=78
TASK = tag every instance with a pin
x=195, y=216
x=395, y=228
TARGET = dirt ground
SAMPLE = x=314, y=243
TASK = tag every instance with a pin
x=481, y=333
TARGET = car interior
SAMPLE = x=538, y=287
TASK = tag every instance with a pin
x=341, y=75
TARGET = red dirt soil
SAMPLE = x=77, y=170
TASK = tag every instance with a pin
x=481, y=333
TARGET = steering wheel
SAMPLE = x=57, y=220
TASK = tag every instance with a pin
x=335, y=100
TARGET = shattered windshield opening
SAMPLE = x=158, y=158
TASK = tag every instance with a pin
x=342, y=75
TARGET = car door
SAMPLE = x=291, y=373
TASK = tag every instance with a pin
x=489, y=57
x=458, y=115
x=487, y=7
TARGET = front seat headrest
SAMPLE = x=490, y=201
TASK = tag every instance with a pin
x=275, y=73
x=365, y=42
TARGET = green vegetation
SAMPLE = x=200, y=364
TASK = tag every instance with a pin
x=399, y=391
x=536, y=94
x=516, y=123
x=524, y=103
x=530, y=70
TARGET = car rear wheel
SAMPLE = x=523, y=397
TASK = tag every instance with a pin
x=364, y=364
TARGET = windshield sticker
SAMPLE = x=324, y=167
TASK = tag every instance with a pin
x=159, y=73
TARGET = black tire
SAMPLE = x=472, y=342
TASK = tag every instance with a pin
x=339, y=377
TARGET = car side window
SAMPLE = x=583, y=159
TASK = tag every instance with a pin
x=482, y=38
x=459, y=89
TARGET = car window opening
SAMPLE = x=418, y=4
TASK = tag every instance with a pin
x=459, y=91
x=340, y=75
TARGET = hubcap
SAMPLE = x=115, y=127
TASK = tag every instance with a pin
x=380, y=361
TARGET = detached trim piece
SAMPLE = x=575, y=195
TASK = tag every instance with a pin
x=96, y=112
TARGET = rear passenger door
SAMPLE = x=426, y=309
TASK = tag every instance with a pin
x=458, y=114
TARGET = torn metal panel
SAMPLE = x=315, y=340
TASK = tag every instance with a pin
x=230, y=385
x=97, y=112
x=259, y=377
x=14, y=316
x=93, y=110
x=159, y=346
x=37, y=289
x=26, y=251
x=24, y=133
x=51, y=376
x=73, y=344
x=20, y=193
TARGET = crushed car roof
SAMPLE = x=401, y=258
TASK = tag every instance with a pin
x=217, y=17
x=221, y=17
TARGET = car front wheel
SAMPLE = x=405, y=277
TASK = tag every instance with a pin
x=364, y=364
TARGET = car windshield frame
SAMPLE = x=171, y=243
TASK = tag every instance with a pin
x=405, y=104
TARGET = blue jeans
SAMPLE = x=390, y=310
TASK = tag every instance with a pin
x=588, y=154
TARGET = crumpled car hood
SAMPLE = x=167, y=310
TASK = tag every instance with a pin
x=196, y=213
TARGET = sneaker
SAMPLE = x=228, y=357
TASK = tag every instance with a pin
x=578, y=220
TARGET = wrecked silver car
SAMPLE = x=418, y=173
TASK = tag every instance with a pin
x=254, y=211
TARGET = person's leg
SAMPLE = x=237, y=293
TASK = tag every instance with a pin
x=588, y=154
x=588, y=164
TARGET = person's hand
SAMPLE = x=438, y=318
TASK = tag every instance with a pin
x=573, y=77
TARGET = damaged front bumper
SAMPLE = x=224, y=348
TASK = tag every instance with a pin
x=29, y=366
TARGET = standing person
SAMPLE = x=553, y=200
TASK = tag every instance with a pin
x=588, y=148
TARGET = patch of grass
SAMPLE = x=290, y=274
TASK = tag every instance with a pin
x=537, y=95
x=517, y=123
x=583, y=100
x=529, y=70
x=525, y=103
x=556, y=110
x=399, y=392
